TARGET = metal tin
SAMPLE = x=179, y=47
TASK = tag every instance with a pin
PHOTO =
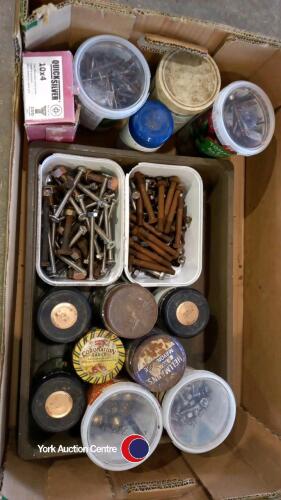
x=58, y=398
x=156, y=362
x=98, y=356
x=185, y=312
x=127, y=309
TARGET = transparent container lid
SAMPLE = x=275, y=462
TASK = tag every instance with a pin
x=111, y=73
x=115, y=417
x=201, y=414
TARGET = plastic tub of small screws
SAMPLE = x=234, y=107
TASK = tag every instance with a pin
x=128, y=417
x=95, y=215
x=199, y=411
x=182, y=264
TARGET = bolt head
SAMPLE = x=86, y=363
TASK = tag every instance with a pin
x=82, y=217
x=59, y=172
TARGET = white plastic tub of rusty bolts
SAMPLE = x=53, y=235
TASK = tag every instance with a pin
x=99, y=165
x=189, y=272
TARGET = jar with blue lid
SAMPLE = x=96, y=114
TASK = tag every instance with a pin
x=149, y=128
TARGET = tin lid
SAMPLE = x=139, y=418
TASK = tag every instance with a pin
x=185, y=312
x=199, y=411
x=122, y=426
x=152, y=125
x=158, y=362
x=98, y=356
x=130, y=310
x=190, y=82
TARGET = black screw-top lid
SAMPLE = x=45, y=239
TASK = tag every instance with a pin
x=58, y=403
x=64, y=315
x=185, y=312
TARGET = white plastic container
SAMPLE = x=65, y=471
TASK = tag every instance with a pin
x=112, y=79
x=115, y=413
x=98, y=165
x=199, y=411
x=191, y=270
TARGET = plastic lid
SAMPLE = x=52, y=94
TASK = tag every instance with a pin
x=152, y=125
x=98, y=356
x=191, y=81
x=130, y=311
x=112, y=76
x=122, y=411
x=199, y=412
x=158, y=362
x=243, y=118
x=185, y=312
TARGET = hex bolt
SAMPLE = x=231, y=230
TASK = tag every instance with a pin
x=92, y=176
x=140, y=181
x=69, y=217
x=73, y=265
x=170, y=195
x=60, y=173
x=108, y=242
x=81, y=232
x=80, y=198
x=148, y=253
x=73, y=274
x=52, y=257
x=161, y=205
x=179, y=220
x=151, y=229
x=139, y=205
x=91, y=195
x=156, y=274
x=80, y=214
x=55, y=216
x=173, y=208
x=150, y=237
x=153, y=266
x=91, y=216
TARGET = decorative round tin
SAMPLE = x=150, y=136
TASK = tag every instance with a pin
x=156, y=362
x=129, y=310
x=98, y=356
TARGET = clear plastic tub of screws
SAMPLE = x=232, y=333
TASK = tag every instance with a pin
x=199, y=411
x=80, y=221
x=163, y=251
x=128, y=417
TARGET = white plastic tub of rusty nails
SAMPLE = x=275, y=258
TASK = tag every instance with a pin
x=190, y=271
x=98, y=165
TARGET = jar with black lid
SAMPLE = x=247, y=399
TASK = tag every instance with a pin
x=58, y=397
x=184, y=311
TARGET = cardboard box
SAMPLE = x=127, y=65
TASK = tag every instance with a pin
x=247, y=465
x=48, y=96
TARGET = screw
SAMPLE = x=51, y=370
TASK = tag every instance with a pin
x=55, y=216
x=81, y=232
x=73, y=265
x=173, y=183
x=140, y=181
x=92, y=216
x=65, y=249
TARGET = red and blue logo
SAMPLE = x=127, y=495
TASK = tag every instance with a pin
x=134, y=448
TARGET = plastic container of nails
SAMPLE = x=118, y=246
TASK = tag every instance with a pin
x=112, y=79
x=199, y=411
x=190, y=271
x=242, y=122
x=101, y=165
x=122, y=425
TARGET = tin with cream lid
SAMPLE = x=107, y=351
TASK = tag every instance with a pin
x=58, y=398
x=187, y=84
x=63, y=315
x=157, y=361
x=185, y=311
x=128, y=310
x=98, y=356
x=122, y=425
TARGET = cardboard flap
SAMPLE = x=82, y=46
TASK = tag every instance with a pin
x=248, y=463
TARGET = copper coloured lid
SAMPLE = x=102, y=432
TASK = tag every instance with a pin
x=130, y=311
